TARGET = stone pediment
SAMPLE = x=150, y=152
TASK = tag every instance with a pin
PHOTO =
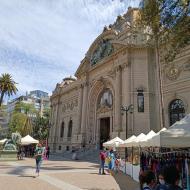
x=104, y=49
x=82, y=68
x=102, y=46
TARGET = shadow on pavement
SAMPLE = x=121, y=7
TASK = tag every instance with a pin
x=125, y=182
x=31, y=176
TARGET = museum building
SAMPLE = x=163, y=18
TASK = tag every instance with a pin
x=115, y=92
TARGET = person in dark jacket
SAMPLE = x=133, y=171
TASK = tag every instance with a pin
x=147, y=180
x=171, y=176
x=161, y=182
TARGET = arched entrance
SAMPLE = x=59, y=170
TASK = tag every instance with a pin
x=176, y=111
x=104, y=112
x=104, y=130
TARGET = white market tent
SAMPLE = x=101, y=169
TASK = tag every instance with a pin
x=143, y=142
x=178, y=135
x=2, y=141
x=28, y=140
x=113, y=143
x=134, y=142
x=127, y=141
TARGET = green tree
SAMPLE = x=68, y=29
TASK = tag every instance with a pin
x=168, y=26
x=7, y=86
x=21, y=123
x=17, y=122
x=41, y=125
x=26, y=108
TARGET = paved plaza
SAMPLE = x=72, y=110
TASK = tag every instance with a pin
x=60, y=175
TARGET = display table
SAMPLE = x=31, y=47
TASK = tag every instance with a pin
x=129, y=169
x=135, y=172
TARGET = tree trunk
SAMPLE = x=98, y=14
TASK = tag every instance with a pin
x=160, y=85
x=1, y=98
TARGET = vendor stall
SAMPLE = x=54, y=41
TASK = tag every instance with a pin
x=170, y=147
x=113, y=143
x=28, y=140
x=133, y=168
x=128, y=161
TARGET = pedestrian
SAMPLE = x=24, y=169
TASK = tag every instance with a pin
x=38, y=157
x=161, y=182
x=111, y=164
x=147, y=180
x=47, y=152
x=172, y=176
x=102, y=157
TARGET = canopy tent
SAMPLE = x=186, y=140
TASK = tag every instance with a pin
x=143, y=142
x=134, y=142
x=127, y=141
x=28, y=140
x=151, y=141
x=178, y=135
x=3, y=141
x=113, y=143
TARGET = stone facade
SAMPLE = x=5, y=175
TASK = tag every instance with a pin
x=118, y=70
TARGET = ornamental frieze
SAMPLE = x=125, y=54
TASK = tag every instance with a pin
x=69, y=106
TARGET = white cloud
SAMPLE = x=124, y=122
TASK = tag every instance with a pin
x=41, y=42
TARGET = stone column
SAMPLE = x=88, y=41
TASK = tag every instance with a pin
x=125, y=92
x=118, y=126
x=80, y=101
x=55, y=126
x=84, y=108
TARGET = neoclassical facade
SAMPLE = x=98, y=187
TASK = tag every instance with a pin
x=118, y=70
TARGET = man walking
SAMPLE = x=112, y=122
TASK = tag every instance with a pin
x=102, y=157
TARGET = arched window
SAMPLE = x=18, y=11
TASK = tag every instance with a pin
x=62, y=129
x=106, y=99
x=69, y=134
x=176, y=110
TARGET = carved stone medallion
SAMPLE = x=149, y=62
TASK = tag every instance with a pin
x=172, y=73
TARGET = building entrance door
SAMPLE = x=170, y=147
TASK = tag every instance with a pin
x=104, y=130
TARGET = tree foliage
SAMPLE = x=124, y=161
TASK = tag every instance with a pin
x=168, y=23
x=41, y=127
x=7, y=86
x=17, y=122
x=21, y=123
x=26, y=108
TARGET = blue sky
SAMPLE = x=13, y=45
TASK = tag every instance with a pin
x=43, y=41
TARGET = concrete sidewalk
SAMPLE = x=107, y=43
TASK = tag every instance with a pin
x=60, y=175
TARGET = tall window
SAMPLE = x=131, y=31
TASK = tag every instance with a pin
x=106, y=99
x=176, y=110
x=62, y=129
x=140, y=100
x=70, y=128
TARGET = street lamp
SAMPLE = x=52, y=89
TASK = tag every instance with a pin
x=127, y=109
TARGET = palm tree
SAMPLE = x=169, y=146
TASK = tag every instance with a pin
x=7, y=86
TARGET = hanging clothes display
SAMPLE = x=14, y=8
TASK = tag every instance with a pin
x=158, y=161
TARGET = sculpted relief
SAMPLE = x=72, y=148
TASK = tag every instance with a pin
x=69, y=106
x=104, y=49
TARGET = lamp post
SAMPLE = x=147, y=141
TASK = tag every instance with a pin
x=127, y=109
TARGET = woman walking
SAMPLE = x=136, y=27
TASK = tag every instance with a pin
x=38, y=157
x=111, y=164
